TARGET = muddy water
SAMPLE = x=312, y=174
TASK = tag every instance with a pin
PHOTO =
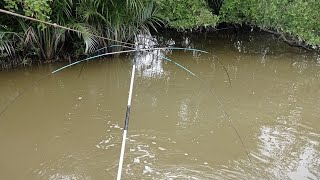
x=69, y=126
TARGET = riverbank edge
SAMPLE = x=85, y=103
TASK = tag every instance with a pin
x=235, y=29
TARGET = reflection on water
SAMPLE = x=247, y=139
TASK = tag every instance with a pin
x=70, y=126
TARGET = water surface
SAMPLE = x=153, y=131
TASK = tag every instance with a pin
x=69, y=126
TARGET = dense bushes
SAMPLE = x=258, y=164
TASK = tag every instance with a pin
x=115, y=19
x=300, y=19
x=296, y=21
x=186, y=14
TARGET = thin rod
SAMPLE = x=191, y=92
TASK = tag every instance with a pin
x=59, y=26
x=126, y=123
x=179, y=48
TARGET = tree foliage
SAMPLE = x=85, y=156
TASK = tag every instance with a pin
x=39, y=9
x=118, y=20
x=300, y=19
x=186, y=14
x=294, y=20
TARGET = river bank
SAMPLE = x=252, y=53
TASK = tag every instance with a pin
x=65, y=30
x=163, y=35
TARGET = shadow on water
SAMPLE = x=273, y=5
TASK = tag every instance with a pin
x=70, y=126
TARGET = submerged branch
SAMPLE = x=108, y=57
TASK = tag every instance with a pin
x=292, y=43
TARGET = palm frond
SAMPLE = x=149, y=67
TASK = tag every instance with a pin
x=91, y=42
x=6, y=44
x=62, y=10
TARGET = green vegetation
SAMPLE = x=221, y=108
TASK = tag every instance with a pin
x=23, y=41
x=186, y=14
x=115, y=19
x=295, y=21
x=298, y=20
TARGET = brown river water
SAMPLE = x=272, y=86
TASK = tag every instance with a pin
x=69, y=125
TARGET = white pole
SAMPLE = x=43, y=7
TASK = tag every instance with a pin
x=126, y=123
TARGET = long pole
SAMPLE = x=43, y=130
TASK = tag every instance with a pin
x=126, y=123
x=59, y=26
